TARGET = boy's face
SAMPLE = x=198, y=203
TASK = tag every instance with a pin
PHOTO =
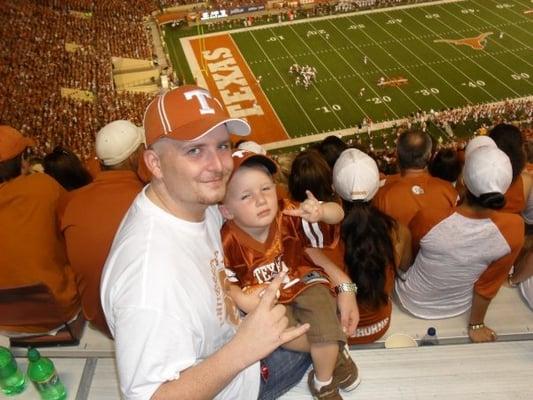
x=251, y=198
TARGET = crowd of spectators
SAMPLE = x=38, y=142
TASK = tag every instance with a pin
x=70, y=44
x=35, y=64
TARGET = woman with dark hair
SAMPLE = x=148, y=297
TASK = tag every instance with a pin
x=446, y=165
x=66, y=168
x=331, y=148
x=510, y=140
x=375, y=245
x=464, y=254
x=309, y=171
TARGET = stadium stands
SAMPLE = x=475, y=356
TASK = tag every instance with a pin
x=64, y=68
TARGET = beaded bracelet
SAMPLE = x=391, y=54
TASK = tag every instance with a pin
x=475, y=327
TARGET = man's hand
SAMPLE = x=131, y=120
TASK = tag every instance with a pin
x=349, y=311
x=310, y=209
x=265, y=328
x=482, y=335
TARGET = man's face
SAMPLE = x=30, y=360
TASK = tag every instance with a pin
x=196, y=172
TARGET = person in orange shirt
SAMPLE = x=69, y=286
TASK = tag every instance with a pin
x=464, y=254
x=415, y=188
x=509, y=139
x=90, y=216
x=374, y=245
x=31, y=247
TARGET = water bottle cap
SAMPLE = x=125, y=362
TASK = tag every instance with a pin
x=33, y=354
x=432, y=331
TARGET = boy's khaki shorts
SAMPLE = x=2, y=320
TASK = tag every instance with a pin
x=318, y=307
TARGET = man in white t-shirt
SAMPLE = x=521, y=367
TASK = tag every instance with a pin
x=177, y=335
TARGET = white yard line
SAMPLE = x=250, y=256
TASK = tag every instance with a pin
x=307, y=20
x=260, y=87
x=334, y=77
x=301, y=141
x=459, y=50
x=399, y=63
x=513, y=11
x=193, y=62
x=283, y=80
x=399, y=67
x=439, y=55
x=486, y=52
x=313, y=86
x=511, y=36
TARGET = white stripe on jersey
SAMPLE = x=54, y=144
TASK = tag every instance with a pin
x=313, y=233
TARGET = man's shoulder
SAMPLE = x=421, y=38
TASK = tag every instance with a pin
x=441, y=183
x=109, y=185
x=430, y=217
x=38, y=186
x=38, y=180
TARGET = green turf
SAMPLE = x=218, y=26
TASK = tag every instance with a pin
x=398, y=43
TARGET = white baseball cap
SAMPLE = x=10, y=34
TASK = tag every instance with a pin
x=487, y=170
x=355, y=176
x=116, y=141
x=478, y=142
x=252, y=146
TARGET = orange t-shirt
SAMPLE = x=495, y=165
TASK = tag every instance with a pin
x=515, y=202
x=404, y=197
x=89, y=218
x=369, y=317
x=32, y=249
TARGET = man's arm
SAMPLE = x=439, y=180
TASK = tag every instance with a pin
x=402, y=247
x=260, y=333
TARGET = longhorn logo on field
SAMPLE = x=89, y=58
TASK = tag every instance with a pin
x=477, y=43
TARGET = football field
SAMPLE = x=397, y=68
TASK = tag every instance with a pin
x=380, y=65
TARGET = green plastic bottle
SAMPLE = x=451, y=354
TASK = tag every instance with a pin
x=12, y=380
x=42, y=373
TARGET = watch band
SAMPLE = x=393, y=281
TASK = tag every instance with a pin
x=346, y=287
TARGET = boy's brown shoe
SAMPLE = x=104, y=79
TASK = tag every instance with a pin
x=328, y=392
x=345, y=375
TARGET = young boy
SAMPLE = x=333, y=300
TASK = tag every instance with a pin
x=260, y=241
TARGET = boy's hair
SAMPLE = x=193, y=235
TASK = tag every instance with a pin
x=255, y=163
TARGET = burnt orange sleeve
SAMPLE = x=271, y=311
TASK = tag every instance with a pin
x=512, y=228
x=423, y=222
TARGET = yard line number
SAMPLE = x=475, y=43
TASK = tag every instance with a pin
x=519, y=76
x=504, y=5
x=474, y=84
x=469, y=11
x=393, y=21
x=357, y=26
x=379, y=100
x=275, y=38
x=428, y=91
x=328, y=109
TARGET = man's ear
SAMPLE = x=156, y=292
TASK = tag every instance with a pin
x=225, y=212
x=153, y=163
